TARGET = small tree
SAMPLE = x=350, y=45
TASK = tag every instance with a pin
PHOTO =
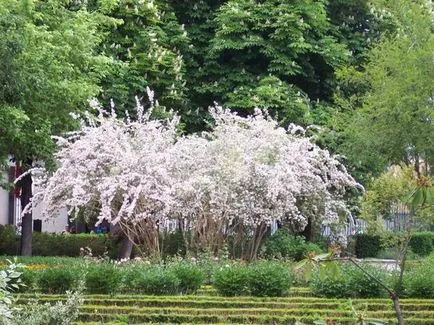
x=398, y=185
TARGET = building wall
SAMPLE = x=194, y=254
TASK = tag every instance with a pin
x=56, y=224
x=4, y=203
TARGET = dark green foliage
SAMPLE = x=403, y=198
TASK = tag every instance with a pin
x=49, y=244
x=422, y=243
x=190, y=276
x=9, y=241
x=156, y=281
x=269, y=279
x=173, y=243
x=419, y=281
x=367, y=245
x=282, y=244
x=30, y=280
x=103, y=278
x=232, y=280
x=46, y=244
x=275, y=54
x=56, y=280
x=348, y=281
x=146, y=44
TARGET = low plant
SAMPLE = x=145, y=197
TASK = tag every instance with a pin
x=104, y=278
x=33, y=313
x=157, y=281
x=190, y=276
x=419, y=281
x=348, y=281
x=269, y=279
x=232, y=280
x=56, y=280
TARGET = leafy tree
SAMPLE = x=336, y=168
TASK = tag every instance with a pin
x=391, y=110
x=51, y=69
x=287, y=42
x=147, y=45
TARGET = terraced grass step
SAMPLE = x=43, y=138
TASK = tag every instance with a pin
x=225, y=319
x=330, y=312
x=195, y=298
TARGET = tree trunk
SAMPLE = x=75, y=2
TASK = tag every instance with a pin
x=26, y=220
x=308, y=231
x=397, y=307
x=126, y=248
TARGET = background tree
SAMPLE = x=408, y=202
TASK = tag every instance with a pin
x=147, y=46
x=391, y=111
x=289, y=42
x=51, y=69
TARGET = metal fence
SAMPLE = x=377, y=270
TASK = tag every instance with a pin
x=396, y=222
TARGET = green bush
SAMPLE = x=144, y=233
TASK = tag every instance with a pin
x=348, y=281
x=103, y=278
x=422, y=243
x=156, y=281
x=47, y=244
x=232, y=280
x=269, y=279
x=419, y=280
x=29, y=279
x=56, y=280
x=282, y=244
x=190, y=277
x=367, y=245
x=9, y=243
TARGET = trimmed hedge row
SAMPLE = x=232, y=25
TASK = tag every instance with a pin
x=48, y=244
x=421, y=243
x=348, y=281
x=261, y=279
x=106, y=278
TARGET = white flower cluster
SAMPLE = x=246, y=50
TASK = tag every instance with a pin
x=246, y=171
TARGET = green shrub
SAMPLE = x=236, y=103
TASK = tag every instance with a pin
x=422, y=243
x=9, y=243
x=173, y=243
x=190, y=277
x=419, y=281
x=269, y=279
x=281, y=244
x=47, y=244
x=157, y=281
x=329, y=284
x=348, y=281
x=367, y=245
x=56, y=280
x=103, y=278
x=29, y=279
x=232, y=280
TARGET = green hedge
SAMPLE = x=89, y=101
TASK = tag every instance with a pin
x=348, y=281
x=9, y=243
x=421, y=243
x=367, y=245
x=49, y=244
x=262, y=279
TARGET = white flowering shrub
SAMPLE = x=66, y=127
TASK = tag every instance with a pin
x=249, y=172
x=244, y=174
